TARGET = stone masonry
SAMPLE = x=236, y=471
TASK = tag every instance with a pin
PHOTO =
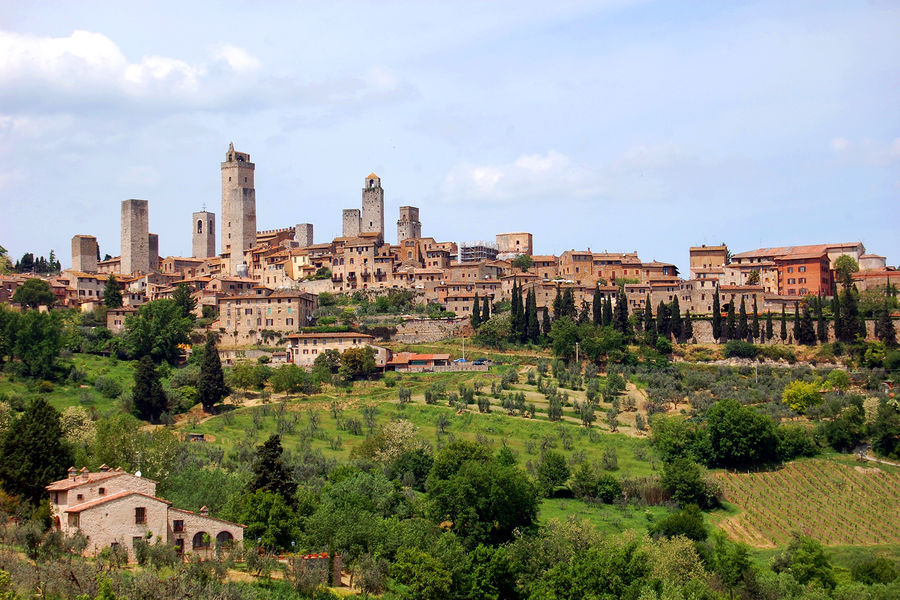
x=408, y=226
x=84, y=253
x=303, y=234
x=372, y=218
x=135, y=237
x=238, y=207
x=203, y=235
x=351, y=219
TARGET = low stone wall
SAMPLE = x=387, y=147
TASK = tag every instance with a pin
x=423, y=331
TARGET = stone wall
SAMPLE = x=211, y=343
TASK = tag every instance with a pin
x=703, y=330
x=419, y=331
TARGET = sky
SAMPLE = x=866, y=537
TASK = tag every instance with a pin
x=613, y=125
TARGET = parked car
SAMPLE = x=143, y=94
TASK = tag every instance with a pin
x=460, y=360
x=481, y=361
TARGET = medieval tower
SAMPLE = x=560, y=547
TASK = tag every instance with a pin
x=238, y=207
x=350, y=219
x=203, y=236
x=303, y=234
x=84, y=253
x=372, y=217
x=135, y=237
x=409, y=226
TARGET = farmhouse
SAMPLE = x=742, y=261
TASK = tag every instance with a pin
x=116, y=508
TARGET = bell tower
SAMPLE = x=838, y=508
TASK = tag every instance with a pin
x=372, y=217
x=238, y=207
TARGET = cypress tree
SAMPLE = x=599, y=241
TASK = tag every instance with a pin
x=755, y=330
x=534, y=328
x=797, y=322
x=621, y=313
x=607, y=311
x=545, y=323
x=476, y=313
x=584, y=316
x=597, y=307
x=852, y=324
x=33, y=451
x=743, y=326
x=149, y=398
x=270, y=473
x=557, y=304
x=884, y=327
x=716, y=316
x=821, y=324
x=568, y=304
x=807, y=334
x=730, y=323
x=783, y=324
x=649, y=323
x=837, y=318
x=662, y=319
x=211, y=387
x=112, y=295
x=676, y=326
x=770, y=329
x=515, y=313
x=688, y=327
x=485, y=310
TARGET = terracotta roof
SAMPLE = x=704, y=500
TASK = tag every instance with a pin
x=190, y=512
x=371, y=176
x=110, y=498
x=544, y=258
x=67, y=484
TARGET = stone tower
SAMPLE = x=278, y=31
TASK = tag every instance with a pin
x=238, y=207
x=409, y=226
x=84, y=253
x=154, y=251
x=303, y=234
x=351, y=223
x=372, y=218
x=135, y=237
x=203, y=234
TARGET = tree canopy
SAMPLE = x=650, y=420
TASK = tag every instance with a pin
x=34, y=293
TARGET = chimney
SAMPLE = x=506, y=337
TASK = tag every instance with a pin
x=204, y=511
x=84, y=473
x=73, y=473
x=104, y=468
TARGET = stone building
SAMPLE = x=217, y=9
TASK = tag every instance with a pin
x=351, y=218
x=304, y=348
x=238, y=207
x=203, y=234
x=408, y=226
x=115, y=508
x=85, y=253
x=372, y=216
x=247, y=319
x=135, y=257
x=303, y=234
x=707, y=259
x=510, y=245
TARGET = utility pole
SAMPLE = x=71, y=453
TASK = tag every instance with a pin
x=576, y=353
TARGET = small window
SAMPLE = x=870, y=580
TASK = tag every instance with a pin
x=101, y=491
x=140, y=515
x=136, y=540
x=79, y=497
x=178, y=526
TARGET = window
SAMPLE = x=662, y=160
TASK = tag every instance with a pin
x=801, y=269
x=790, y=269
x=201, y=540
x=101, y=491
x=136, y=540
x=179, y=546
x=178, y=526
x=140, y=515
x=73, y=519
x=79, y=497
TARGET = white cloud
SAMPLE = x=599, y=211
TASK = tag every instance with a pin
x=839, y=144
x=237, y=58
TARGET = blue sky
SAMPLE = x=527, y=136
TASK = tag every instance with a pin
x=614, y=125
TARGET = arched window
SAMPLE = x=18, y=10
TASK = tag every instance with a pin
x=201, y=540
x=200, y=226
x=224, y=539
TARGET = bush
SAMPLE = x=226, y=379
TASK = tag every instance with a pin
x=740, y=349
x=794, y=442
x=687, y=522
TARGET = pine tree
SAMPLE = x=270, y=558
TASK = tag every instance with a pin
x=688, y=327
x=184, y=300
x=731, y=330
x=770, y=329
x=211, y=387
x=821, y=324
x=783, y=324
x=485, y=310
x=807, y=334
x=33, y=451
x=149, y=398
x=597, y=307
x=755, y=328
x=716, y=316
x=743, y=326
x=676, y=326
x=475, y=319
x=884, y=327
x=270, y=473
x=112, y=295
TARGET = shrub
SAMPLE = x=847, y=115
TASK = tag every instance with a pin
x=687, y=522
x=740, y=349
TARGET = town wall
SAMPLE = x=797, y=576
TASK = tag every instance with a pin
x=420, y=331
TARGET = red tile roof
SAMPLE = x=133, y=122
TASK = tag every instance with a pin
x=110, y=498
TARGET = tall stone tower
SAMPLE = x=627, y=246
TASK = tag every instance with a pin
x=238, y=207
x=135, y=237
x=409, y=226
x=154, y=251
x=84, y=253
x=203, y=234
x=372, y=218
x=350, y=227
x=303, y=234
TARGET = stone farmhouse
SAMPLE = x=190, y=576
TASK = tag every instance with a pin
x=115, y=508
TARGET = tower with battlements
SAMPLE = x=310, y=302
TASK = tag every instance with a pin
x=372, y=217
x=203, y=234
x=135, y=237
x=238, y=207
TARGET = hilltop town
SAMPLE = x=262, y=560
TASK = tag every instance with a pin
x=288, y=266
